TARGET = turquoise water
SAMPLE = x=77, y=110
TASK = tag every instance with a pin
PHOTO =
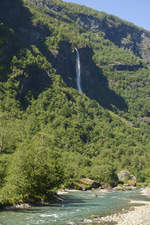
x=76, y=207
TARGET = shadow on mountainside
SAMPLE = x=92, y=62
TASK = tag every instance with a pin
x=18, y=32
x=95, y=84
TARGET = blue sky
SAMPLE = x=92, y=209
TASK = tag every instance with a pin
x=135, y=11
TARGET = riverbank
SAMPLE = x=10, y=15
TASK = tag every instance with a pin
x=138, y=214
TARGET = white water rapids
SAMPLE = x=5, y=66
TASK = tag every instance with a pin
x=78, y=72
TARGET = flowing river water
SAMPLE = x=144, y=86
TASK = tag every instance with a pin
x=76, y=207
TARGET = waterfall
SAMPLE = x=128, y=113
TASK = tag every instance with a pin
x=78, y=72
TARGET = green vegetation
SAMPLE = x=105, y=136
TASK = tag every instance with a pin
x=50, y=134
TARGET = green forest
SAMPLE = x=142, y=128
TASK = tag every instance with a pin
x=51, y=135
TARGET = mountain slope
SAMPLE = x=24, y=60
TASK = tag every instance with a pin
x=50, y=134
x=121, y=33
x=109, y=64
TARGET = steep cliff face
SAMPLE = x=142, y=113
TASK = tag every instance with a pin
x=95, y=84
x=64, y=62
x=121, y=33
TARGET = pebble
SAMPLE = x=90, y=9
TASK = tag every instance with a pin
x=140, y=215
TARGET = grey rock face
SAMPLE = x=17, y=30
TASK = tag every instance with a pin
x=124, y=176
x=121, y=33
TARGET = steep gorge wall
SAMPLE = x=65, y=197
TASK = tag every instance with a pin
x=123, y=34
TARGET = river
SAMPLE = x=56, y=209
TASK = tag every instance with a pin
x=76, y=207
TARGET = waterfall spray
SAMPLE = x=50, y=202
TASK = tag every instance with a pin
x=78, y=72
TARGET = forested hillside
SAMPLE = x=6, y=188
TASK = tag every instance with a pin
x=50, y=134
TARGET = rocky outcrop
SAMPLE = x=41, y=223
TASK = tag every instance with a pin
x=144, y=46
x=123, y=34
x=128, y=181
x=51, y=4
x=145, y=120
x=127, y=178
x=136, y=85
x=19, y=206
x=86, y=184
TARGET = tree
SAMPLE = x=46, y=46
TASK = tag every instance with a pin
x=34, y=174
x=103, y=171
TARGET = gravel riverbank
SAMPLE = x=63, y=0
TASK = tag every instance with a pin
x=137, y=215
